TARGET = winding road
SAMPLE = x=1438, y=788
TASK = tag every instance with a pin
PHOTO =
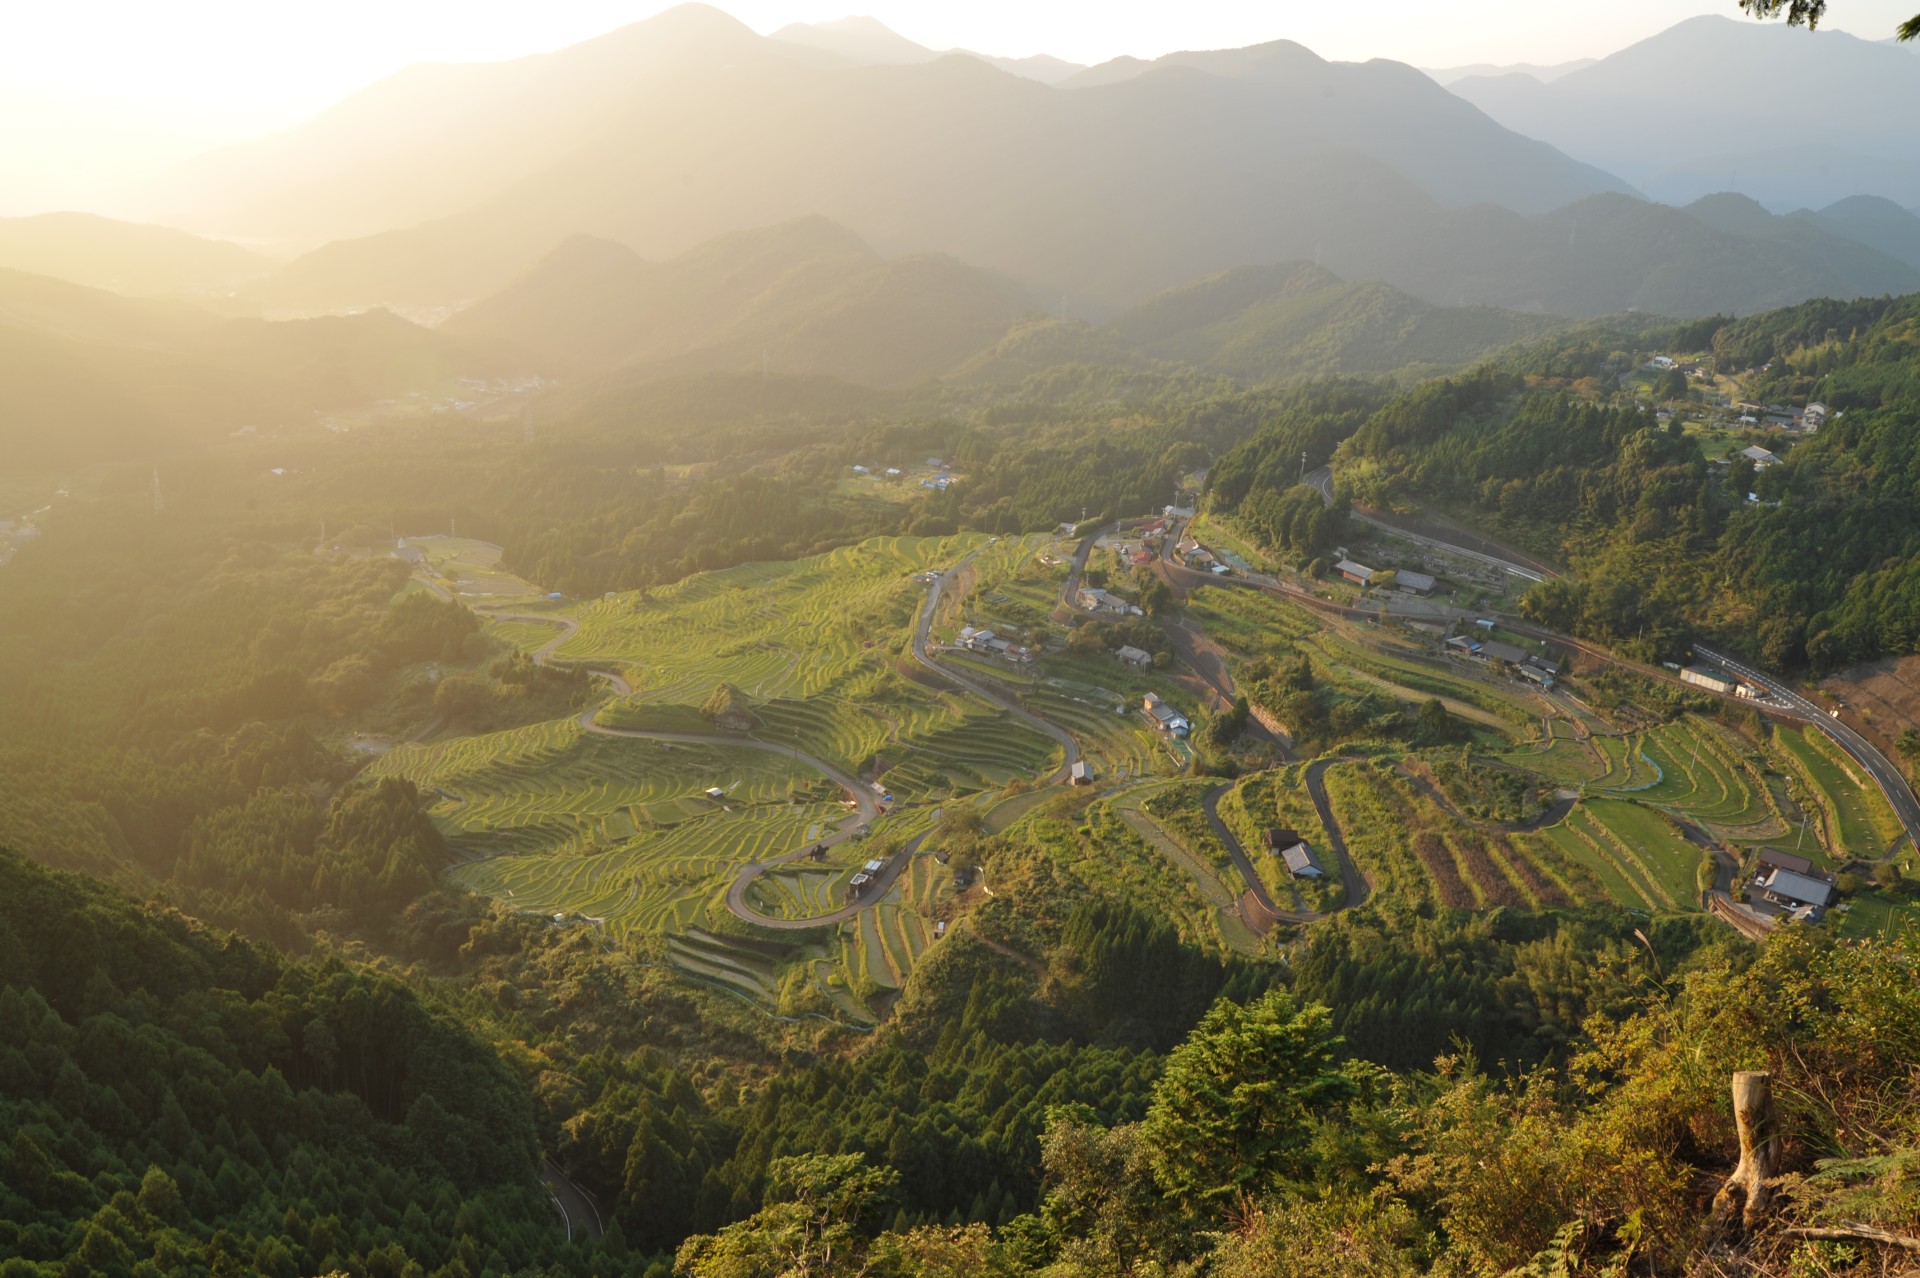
x=1256, y=887
x=867, y=807
x=577, y=1210
x=1354, y=883
x=924, y=627
x=1780, y=699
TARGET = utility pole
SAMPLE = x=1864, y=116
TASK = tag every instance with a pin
x=1303, y=466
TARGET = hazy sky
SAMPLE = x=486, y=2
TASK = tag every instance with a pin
x=93, y=92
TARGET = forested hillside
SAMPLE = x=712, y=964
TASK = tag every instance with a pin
x=179, y=1100
x=1666, y=543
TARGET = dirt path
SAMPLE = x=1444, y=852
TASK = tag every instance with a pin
x=1028, y=961
x=1204, y=879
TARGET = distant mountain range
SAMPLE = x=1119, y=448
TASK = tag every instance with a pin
x=1544, y=73
x=807, y=297
x=810, y=299
x=1792, y=118
x=127, y=258
x=1201, y=163
x=868, y=42
x=437, y=189
x=87, y=374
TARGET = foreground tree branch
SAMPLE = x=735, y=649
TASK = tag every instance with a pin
x=1807, y=13
x=1856, y=1233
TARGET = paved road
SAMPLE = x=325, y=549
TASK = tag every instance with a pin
x=578, y=1214
x=1357, y=887
x=1781, y=698
x=1244, y=864
x=544, y=655
x=924, y=627
x=1070, y=589
x=1892, y=782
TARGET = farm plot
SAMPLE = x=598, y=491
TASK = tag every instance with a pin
x=1250, y=621
x=1562, y=757
x=1858, y=821
x=615, y=829
x=1634, y=851
x=792, y=630
x=473, y=568
x=1005, y=586
x=1119, y=746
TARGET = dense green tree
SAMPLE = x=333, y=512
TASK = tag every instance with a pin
x=1235, y=1109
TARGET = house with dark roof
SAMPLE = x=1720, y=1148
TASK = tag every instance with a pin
x=1494, y=650
x=1292, y=849
x=1414, y=583
x=1775, y=859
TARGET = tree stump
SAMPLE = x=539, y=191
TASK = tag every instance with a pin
x=1743, y=1202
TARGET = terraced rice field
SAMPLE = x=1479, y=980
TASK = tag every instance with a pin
x=878, y=949
x=817, y=644
x=1119, y=746
x=526, y=636
x=1634, y=853
x=474, y=569
x=793, y=630
x=1704, y=776
x=718, y=961
x=1629, y=770
x=615, y=829
x=1858, y=821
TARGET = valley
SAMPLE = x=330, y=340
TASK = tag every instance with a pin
x=723, y=650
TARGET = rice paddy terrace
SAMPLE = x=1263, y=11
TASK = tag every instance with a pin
x=1640, y=807
x=607, y=821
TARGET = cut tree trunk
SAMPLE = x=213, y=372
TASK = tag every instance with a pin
x=1743, y=1202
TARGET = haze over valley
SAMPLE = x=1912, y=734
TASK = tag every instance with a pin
x=1034, y=641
